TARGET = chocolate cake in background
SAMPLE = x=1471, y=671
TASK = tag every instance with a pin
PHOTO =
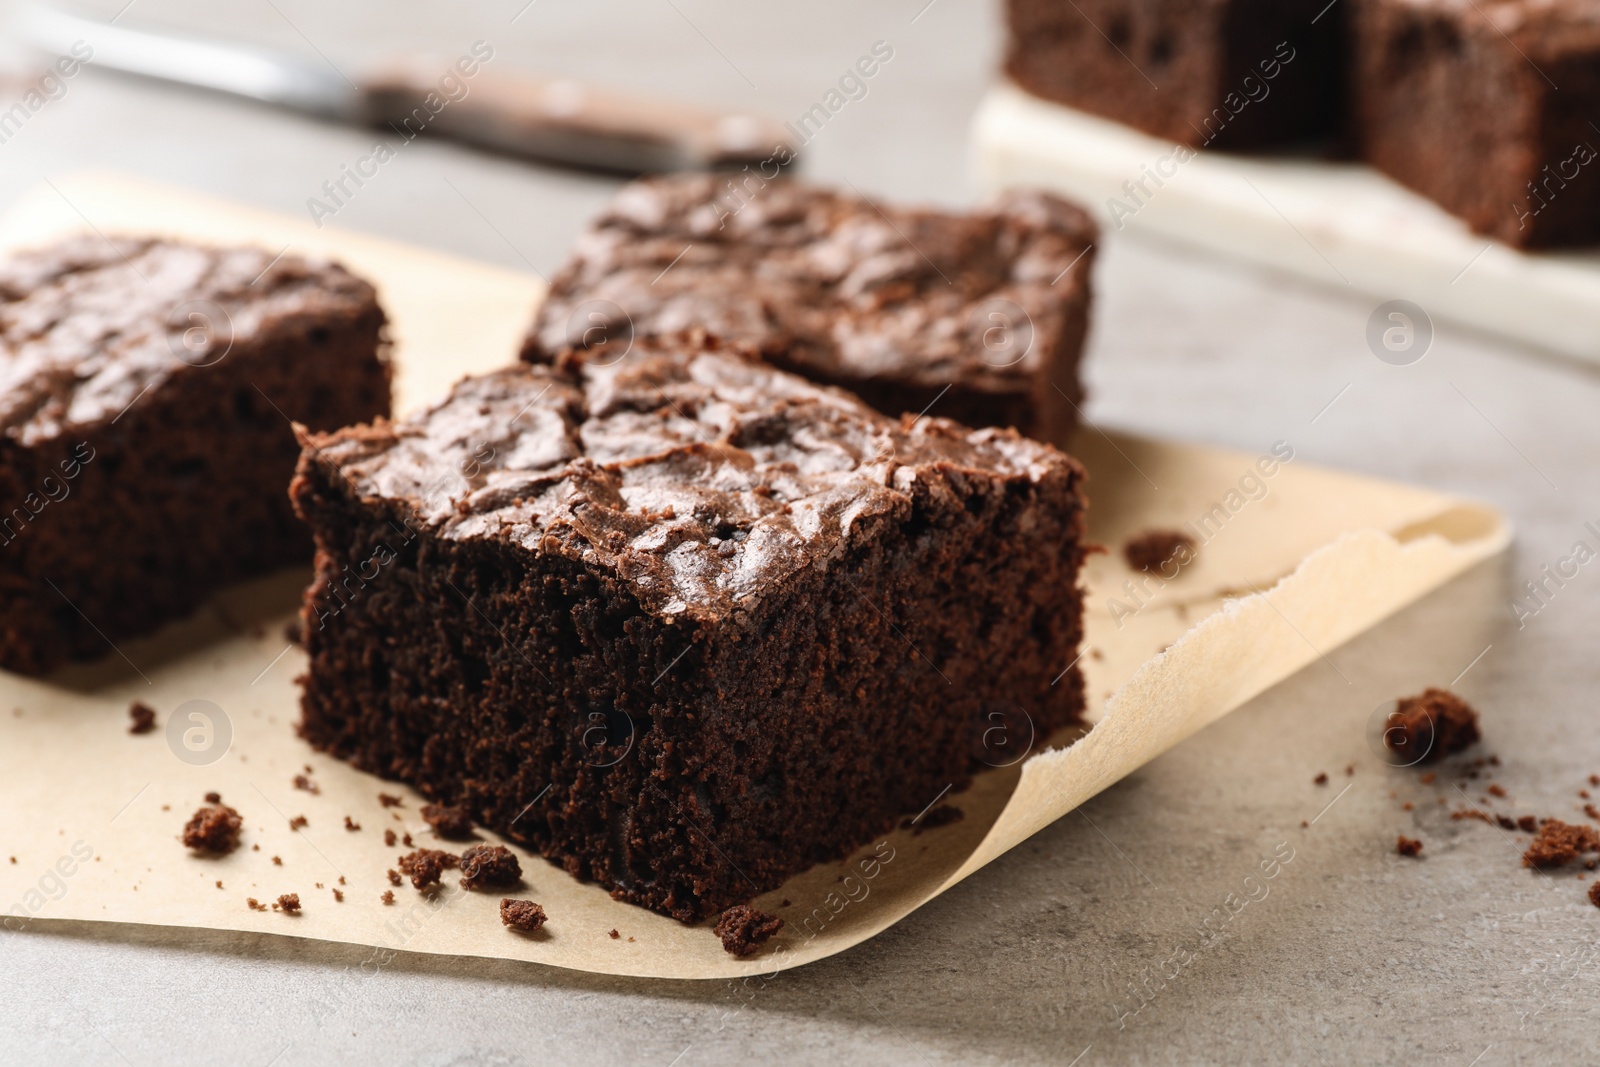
x=1243, y=75
x=1487, y=108
x=679, y=621
x=146, y=393
x=979, y=317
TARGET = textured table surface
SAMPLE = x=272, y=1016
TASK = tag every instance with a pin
x=1064, y=948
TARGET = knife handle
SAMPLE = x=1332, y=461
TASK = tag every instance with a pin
x=567, y=121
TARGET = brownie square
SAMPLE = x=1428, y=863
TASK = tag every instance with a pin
x=978, y=317
x=681, y=622
x=1488, y=109
x=1229, y=74
x=145, y=397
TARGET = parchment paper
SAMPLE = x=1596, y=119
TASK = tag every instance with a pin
x=1295, y=561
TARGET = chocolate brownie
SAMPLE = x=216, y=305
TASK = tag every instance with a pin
x=679, y=621
x=1486, y=108
x=1229, y=74
x=978, y=317
x=146, y=393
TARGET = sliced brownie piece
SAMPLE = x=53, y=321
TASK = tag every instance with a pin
x=975, y=317
x=145, y=401
x=679, y=621
x=1230, y=74
x=1487, y=108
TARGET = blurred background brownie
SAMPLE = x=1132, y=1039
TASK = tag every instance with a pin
x=978, y=317
x=682, y=622
x=1231, y=74
x=146, y=393
x=1487, y=108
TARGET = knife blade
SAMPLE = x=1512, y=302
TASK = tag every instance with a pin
x=512, y=111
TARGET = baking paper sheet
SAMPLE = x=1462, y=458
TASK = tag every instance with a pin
x=1340, y=224
x=1295, y=560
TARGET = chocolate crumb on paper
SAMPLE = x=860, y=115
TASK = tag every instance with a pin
x=1320, y=779
x=213, y=829
x=388, y=896
x=299, y=822
x=1162, y=551
x=351, y=825
x=142, y=717
x=523, y=916
x=485, y=866
x=306, y=784
x=1559, y=843
x=744, y=929
x=1408, y=846
x=614, y=935
x=426, y=865
x=289, y=904
x=389, y=800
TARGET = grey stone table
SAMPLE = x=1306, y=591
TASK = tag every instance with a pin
x=1058, y=950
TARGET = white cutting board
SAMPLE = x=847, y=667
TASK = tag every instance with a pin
x=1342, y=224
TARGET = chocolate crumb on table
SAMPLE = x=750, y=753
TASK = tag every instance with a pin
x=394, y=876
x=744, y=929
x=213, y=798
x=489, y=865
x=289, y=903
x=1496, y=790
x=1320, y=779
x=277, y=861
x=1528, y=823
x=255, y=905
x=615, y=936
x=350, y=824
x=143, y=716
x=425, y=865
x=523, y=916
x=389, y=838
x=1559, y=843
x=213, y=829
x=338, y=896
x=302, y=782
x=1162, y=551
x=452, y=822
x=1430, y=726
x=1505, y=822
x=388, y=896
x=1408, y=846
x=299, y=822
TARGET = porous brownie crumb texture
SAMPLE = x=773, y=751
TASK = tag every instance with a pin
x=489, y=866
x=522, y=915
x=214, y=829
x=1430, y=726
x=136, y=481
x=744, y=929
x=751, y=621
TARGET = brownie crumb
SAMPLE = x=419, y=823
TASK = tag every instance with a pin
x=254, y=904
x=1472, y=813
x=1408, y=846
x=744, y=929
x=350, y=824
x=1162, y=551
x=1559, y=843
x=522, y=915
x=389, y=800
x=143, y=717
x=405, y=839
x=615, y=936
x=394, y=876
x=213, y=798
x=451, y=822
x=1594, y=894
x=338, y=896
x=1320, y=779
x=277, y=861
x=425, y=865
x=943, y=815
x=289, y=904
x=213, y=829
x=302, y=782
x=388, y=896
x=1506, y=822
x=489, y=865
x=1528, y=824
x=1594, y=779
x=389, y=839
x=1427, y=779
x=299, y=822
x=1349, y=770
x=1496, y=790
x=1592, y=811
x=1430, y=726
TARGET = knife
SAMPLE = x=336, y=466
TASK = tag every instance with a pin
x=508, y=110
